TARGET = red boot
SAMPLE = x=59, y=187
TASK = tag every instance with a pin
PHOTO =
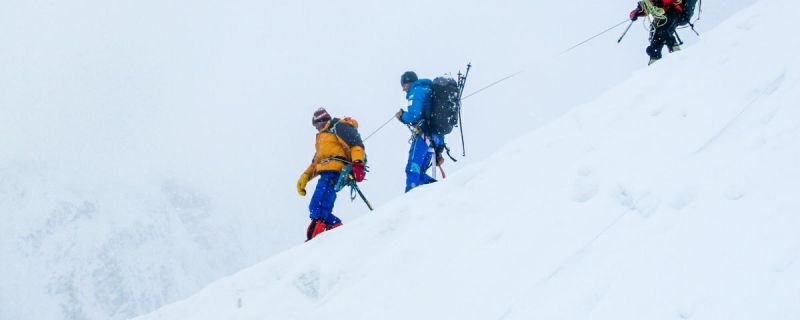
x=318, y=226
x=338, y=224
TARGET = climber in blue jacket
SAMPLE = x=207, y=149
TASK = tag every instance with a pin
x=424, y=146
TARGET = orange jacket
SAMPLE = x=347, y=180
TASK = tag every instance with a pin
x=336, y=143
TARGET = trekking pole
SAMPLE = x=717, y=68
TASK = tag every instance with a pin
x=462, y=81
x=699, y=13
x=626, y=31
x=595, y=36
x=693, y=30
x=677, y=36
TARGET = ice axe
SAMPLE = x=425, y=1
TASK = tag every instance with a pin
x=360, y=194
x=346, y=179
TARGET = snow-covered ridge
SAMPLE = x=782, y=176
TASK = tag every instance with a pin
x=672, y=196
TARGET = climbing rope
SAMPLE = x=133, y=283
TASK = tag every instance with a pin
x=659, y=14
x=464, y=98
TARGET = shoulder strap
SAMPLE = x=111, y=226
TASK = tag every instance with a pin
x=345, y=147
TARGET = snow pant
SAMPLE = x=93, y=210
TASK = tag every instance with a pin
x=419, y=161
x=321, y=206
x=663, y=35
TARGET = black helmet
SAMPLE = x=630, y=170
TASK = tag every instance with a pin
x=408, y=77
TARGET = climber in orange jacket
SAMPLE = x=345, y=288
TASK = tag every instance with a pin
x=338, y=144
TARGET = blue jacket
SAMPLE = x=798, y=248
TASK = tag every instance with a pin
x=419, y=97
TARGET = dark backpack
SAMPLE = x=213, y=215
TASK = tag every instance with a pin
x=443, y=115
x=688, y=11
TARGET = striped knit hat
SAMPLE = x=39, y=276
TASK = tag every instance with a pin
x=321, y=115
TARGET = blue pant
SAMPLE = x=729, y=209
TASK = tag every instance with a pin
x=419, y=160
x=321, y=205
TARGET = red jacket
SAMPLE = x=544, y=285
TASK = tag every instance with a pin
x=671, y=5
x=667, y=5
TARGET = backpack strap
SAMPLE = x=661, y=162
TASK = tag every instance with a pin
x=348, y=138
x=345, y=147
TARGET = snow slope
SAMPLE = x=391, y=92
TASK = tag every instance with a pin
x=144, y=148
x=671, y=196
x=151, y=147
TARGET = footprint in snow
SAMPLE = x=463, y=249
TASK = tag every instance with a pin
x=585, y=186
x=647, y=205
x=681, y=200
x=733, y=193
x=655, y=112
x=308, y=283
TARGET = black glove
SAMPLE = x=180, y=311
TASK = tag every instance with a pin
x=399, y=115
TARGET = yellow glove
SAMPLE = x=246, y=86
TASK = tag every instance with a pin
x=301, y=185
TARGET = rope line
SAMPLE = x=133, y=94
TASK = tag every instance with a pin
x=464, y=98
x=379, y=128
x=492, y=84
x=595, y=36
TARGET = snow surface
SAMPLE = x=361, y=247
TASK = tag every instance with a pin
x=671, y=196
x=151, y=147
